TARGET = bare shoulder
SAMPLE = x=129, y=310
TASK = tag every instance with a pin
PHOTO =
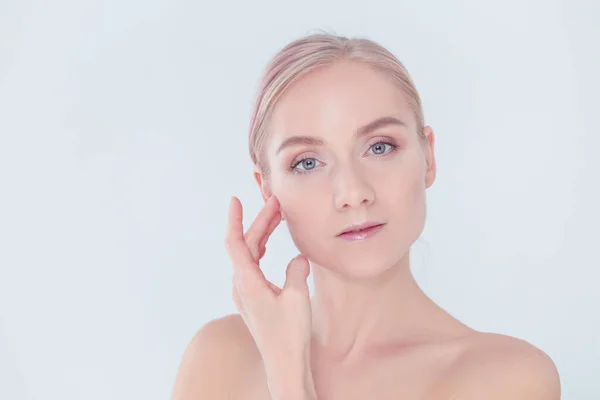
x=214, y=359
x=495, y=366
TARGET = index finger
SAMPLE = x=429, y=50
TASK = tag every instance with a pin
x=262, y=227
x=241, y=257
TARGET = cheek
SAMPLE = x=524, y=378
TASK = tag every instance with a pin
x=304, y=211
x=409, y=199
x=299, y=197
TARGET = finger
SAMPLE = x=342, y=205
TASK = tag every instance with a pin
x=237, y=298
x=276, y=289
x=263, y=250
x=264, y=224
x=257, y=244
x=296, y=274
x=241, y=257
x=259, y=250
x=262, y=244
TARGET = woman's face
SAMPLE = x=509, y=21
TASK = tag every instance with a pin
x=328, y=177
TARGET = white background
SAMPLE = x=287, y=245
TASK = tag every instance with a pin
x=123, y=134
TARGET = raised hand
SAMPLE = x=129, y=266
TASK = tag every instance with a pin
x=279, y=319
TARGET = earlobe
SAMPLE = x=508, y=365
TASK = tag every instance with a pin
x=259, y=181
x=265, y=191
x=430, y=174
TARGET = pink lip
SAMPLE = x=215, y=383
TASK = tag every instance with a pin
x=362, y=231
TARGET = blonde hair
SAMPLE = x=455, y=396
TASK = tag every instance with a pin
x=312, y=51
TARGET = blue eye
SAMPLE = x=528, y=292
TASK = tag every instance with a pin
x=379, y=148
x=307, y=164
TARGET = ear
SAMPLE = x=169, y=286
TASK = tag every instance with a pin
x=265, y=190
x=261, y=183
x=430, y=173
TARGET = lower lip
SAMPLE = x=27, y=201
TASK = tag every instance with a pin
x=362, y=234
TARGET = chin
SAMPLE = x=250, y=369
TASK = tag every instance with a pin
x=361, y=264
x=369, y=265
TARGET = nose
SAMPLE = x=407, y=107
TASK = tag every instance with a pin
x=352, y=189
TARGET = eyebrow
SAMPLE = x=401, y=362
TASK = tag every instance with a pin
x=361, y=131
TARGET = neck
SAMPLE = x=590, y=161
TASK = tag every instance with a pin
x=351, y=317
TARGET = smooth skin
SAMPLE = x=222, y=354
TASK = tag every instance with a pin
x=369, y=331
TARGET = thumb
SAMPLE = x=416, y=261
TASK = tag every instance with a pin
x=296, y=273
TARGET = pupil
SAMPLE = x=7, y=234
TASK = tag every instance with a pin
x=308, y=163
x=378, y=148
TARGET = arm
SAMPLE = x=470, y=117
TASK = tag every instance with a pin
x=208, y=366
x=278, y=319
x=215, y=358
x=528, y=375
x=292, y=380
x=504, y=369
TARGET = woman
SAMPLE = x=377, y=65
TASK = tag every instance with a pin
x=342, y=154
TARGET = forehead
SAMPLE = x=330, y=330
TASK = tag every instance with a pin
x=336, y=99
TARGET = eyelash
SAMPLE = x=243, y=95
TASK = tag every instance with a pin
x=393, y=148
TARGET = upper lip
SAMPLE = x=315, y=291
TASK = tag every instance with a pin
x=357, y=227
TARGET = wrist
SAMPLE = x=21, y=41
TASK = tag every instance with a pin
x=291, y=381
